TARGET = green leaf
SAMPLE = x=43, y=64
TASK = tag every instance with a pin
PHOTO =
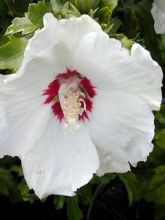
x=17, y=169
x=8, y=185
x=156, y=157
x=11, y=53
x=86, y=5
x=59, y=202
x=160, y=116
x=105, y=10
x=75, y=10
x=36, y=11
x=73, y=210
x=156, y=188
x=23, y=25
x=104, y=14
x=109, y=3
x=115, y=24
x=160, y=138
x=130, y=183
x=26, y=194
x=161, y=45
x=3, y=188
x=57, y=5
x=85, y=194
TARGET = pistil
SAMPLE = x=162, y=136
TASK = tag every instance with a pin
x=72, y=104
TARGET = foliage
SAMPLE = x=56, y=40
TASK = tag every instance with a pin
x=128, y=21
x=11, y=53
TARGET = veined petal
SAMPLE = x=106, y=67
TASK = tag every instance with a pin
x=122, y=128
x=25, y=120
x=111, y=68
x=158, y=13
x=69, y=31
x=36, y=74
x=61, y=161
x=51, y=49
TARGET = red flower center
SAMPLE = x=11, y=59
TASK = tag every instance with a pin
x=71, y=96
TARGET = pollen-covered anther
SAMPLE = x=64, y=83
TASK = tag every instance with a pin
x=73, y=106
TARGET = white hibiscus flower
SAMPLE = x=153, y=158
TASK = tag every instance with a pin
x=79, y=104
x=158, y=13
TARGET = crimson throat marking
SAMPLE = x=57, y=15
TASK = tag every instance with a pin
x=71, y=96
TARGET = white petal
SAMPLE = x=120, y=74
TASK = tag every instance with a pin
x=61, y=161
x=51, y=49
x=26, y=117
x=36, y=74
x=3, y=125
x=43, y=38
x=110, y=67
x=158, y=13
x=122, y=128
x=68, y=31
x=74, y=29
x=111, y=163
x=147, y=77
x=48, y=53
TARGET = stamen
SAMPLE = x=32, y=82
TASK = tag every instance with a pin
x=72, y=103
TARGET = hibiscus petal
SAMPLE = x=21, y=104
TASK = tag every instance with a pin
x=69, y=31
x=61, y=161
x=25, y=120
x=110, y=67
x=50, y=51
x=34, y=77
x=122, y=128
